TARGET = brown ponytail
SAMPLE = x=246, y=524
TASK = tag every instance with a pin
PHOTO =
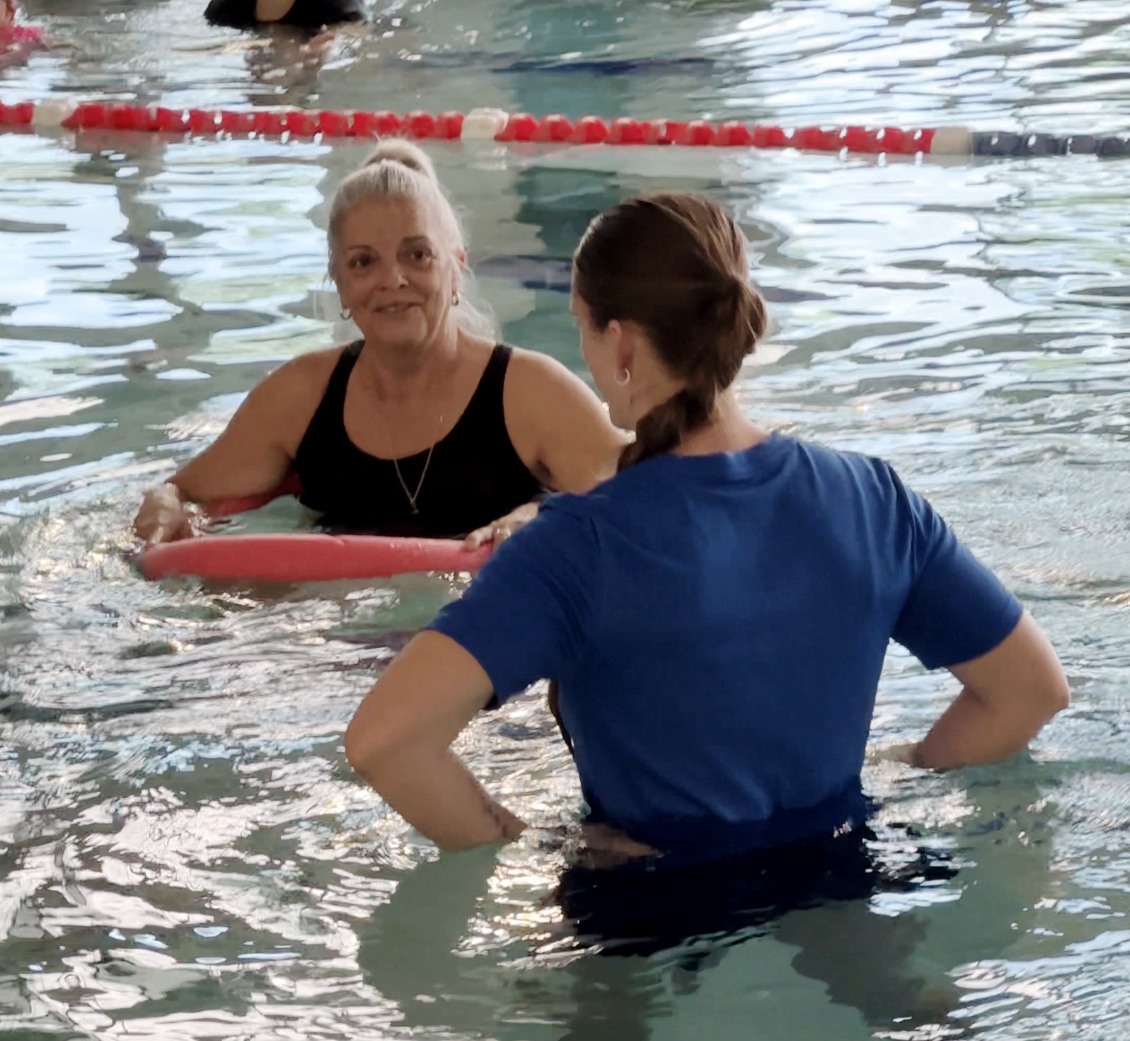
x=664, y=426
x=675, y=265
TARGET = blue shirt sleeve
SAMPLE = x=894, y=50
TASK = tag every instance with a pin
x=525, y=615
x=957, y=609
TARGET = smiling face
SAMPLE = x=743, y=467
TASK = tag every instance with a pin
x=394, y=272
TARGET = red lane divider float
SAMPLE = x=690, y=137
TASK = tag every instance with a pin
x=482, y=124
x=494, y=124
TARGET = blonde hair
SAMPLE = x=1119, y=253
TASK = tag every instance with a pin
x=398, y=169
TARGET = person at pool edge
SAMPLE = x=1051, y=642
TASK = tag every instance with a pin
x=17, y=41
x=718, y=612
x=420, y=428
x=303, y=14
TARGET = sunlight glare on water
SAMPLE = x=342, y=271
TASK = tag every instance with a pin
x=185, y=852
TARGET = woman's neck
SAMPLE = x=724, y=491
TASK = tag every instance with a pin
x=729, y=430
x=400, y=375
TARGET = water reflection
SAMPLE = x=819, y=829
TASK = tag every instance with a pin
x=884, y=962
x=184, y=852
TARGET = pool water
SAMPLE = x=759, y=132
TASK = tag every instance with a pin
x=184, y=852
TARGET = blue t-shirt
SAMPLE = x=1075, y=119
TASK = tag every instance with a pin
x=718, y=626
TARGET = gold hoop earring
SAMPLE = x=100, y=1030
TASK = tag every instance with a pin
x=345, y=315
x=622, y=381
x=455, y=299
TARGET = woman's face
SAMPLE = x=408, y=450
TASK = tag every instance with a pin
x=394, y=273
x=598, y=348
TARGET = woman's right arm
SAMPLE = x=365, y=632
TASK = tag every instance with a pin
x=253, y=454
x=959, y=616
x=1007, y=696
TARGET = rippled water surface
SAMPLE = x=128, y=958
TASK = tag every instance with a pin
x=184, y=852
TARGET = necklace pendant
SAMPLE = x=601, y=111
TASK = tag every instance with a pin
x=415, y=510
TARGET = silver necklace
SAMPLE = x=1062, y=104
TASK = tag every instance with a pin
x=412, y=497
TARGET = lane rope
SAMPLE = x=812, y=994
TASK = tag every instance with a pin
x=485, y=124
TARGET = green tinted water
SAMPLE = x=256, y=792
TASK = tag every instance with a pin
x=185, y=853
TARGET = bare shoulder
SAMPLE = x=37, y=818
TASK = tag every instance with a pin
x=557, y=424
x=309, y=366
x=281, y=405
x=533, y=372
x=300, y=379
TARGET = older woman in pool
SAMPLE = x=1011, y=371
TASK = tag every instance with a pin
x=421, y=427
x=17, y=41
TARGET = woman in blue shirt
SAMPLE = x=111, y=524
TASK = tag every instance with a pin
x=717, y=614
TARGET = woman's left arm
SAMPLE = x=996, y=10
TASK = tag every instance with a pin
x=400, y=742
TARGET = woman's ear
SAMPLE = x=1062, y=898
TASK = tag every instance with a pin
x=622, y=343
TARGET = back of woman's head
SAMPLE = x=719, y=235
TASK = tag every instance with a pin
x=675, y=265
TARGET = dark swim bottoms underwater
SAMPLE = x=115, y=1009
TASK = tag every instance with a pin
x=643, y=907
x=305, y=14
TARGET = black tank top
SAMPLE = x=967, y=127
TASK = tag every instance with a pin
x=306, y=14
x=474, y=476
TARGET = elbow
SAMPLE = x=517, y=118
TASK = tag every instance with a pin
x=1048, y=700
x=1054, y=690
x=356, y=752
x=1059, y=696
x=379, y=754
x=364, y=751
